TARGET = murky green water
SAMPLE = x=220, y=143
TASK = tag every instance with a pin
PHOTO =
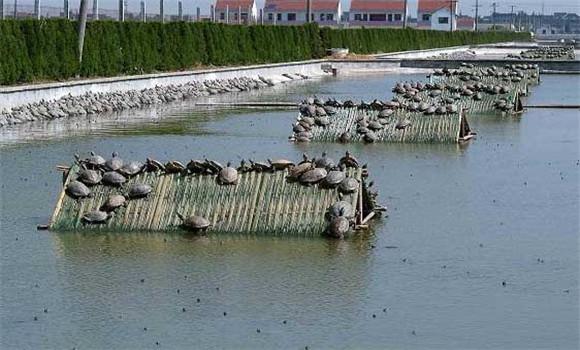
x=462, y=220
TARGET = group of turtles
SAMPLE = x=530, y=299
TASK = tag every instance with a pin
x=546, y=53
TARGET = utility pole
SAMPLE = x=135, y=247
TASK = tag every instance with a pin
x=493, y=15
x=161, y=11
x=37, y=9
x=95, y=10
x=180, y=10
x=308, y=11
x=143, y=12
x=477, y=6
x=1, y=9
x=406, y=14
x=542, y=17
x=66, y=9
x=121, y=10
x=451, y=14
x=82, y=27
x=512, y=17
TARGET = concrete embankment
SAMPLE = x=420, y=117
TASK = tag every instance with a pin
x=21, y=104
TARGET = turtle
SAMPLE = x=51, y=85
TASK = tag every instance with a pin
x=363, y=130
x=385, y=113
x=431, y=110
x=374, y=125
x=212, y=166
x=452, y=109
x=302, y=139
x=131, y=169
x=95, y=161
x=370, y=137
x=174, y=166
x=260, y=166
x=348, y=161
x=113, y=202
x=333, y=178
x=152, y=165
x=308, y=120
x=298, y=128
x=96, y=217
x=139, y=191
x=329, y=110
x=114, y=163
x=280, y=164
x=227, y=176
x=320, y=112
x=402, y=124
x=338, y=227
x=90, y=177
x=194, y=222
x=441, y=110
x=478, y=96
x=313, y=176
x=295, y=172
x=435, y=93
x=340, y=208
x=344, y=137
x=77, y=189
x=324, y=162
x=195, y=166
x=322, y=121
x=423, y=106
x=113, y=178
x=305, y=134
x=348, y=185
x=244, y=167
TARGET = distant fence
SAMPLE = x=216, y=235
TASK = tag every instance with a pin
x=27, y=11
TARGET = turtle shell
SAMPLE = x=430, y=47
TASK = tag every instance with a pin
x=348, y=185
x=113, y=164
x=340, y=208
x=324, y=162
x=77, y=189
x=90, y=177
x=228, y=176
x=196, y=223
x=139, y=191
x=113, y=178
x=95, y=217
x=370, y=137
x=402, y=124
x=130, y=169
x=154, y=165
x=374, y=125
x=95, y=161
x=296, y=171
x=385, y=113
x=333, y=178
x=174, y=166
x=338, y=227
x=280, y=164
x=113, y=202
x=313, y=176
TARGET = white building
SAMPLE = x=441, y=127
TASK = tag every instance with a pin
x=236, y=11
x=324, y=12
x=387, y=13
x=443, y=19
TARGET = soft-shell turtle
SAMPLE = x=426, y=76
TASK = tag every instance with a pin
x=139, y=191
x=194, y=222
x=77, y=189
x=227, y=176
x=113, y=178
x=96, y=217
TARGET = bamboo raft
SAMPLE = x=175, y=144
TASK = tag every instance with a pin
x=262, y=203
x=448, y=128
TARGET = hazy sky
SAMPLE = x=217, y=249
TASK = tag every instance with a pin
x=465, y=6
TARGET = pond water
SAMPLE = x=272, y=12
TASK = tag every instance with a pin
x=461, y=220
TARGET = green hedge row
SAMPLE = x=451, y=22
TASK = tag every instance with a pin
x=32, y=50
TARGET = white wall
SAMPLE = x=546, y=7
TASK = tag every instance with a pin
x=444, y=13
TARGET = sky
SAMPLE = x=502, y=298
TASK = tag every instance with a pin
x=466, y=7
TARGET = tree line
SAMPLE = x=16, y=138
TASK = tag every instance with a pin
x=46, y=50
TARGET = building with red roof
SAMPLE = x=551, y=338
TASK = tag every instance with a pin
x=236, y=11
x=436, y=14
x=389, y=13
x=466, y=23
x=325, y=12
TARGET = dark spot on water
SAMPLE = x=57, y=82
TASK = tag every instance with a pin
x=184, y=310
x=142, y=280
x=258, y=330
x=374, y=316
x=503, y=283
x=45, y=311
x=35, y=318
x=225, y=313
x=198, y=300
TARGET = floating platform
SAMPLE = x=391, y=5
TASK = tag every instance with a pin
x=446, y=128
x=261, y=203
